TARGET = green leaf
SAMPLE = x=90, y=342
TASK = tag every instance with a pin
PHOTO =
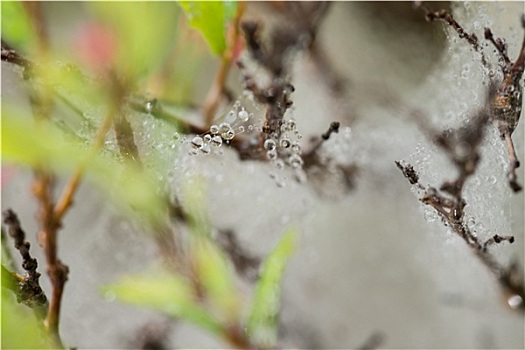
x=216, y=276
x=262, y=318
x=164, y=292
x=17, y=28
x=20, y=327
x=26, y=143
x=210, y=19
x=145, y=32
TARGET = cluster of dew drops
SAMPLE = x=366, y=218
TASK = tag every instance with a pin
x=224, y=132
x=284, y=150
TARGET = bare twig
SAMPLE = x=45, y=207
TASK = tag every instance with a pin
x=507, y=101
x=446, y=17
x=57, y=271
x=29, y=291
x=217, y=89
x=462, y=148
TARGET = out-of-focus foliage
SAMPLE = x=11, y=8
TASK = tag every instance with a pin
x=43, y=145
x=20, y=327
x=217, y=278
x=262, y=320
x=144, y=32
x=165, y=292
x=17, y=29
x=210, y=19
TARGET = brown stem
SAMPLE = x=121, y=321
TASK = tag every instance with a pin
x=513, y=163
x=213, y=98
x=57, y=271
x=66, y=199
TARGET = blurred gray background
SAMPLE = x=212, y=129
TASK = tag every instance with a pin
x=367, y=262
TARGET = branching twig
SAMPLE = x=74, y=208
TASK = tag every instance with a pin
x=510, y=279
x=446, y=17
x=462, y=148
x=507, y=101
x=28, y=291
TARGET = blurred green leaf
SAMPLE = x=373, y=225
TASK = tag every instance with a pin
x=216, y=276
x=26, y=143
x=262, y=319
x=17, y=29
x=145, y=32
x=20, y=328
x=164, y=292
x=210, y=19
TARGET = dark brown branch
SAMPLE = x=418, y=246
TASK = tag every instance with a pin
x=29, y=291
x=496, y=239
x=451, y=210
x=11, y=56
x=446, y=17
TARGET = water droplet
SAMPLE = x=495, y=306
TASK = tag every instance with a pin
x=228, y=135
x=243, y=115
x=295, y=161
x=205, y=148
x=269, y=145
x=207, y=138
x=296, y=148
x=515, y=301
x=250, y=127
x=226, y=131
x=197, y=142
x=471, y=223
x=214, y=129
x=176, y=136
x=271, y=154
x=430, y=215
x=285, y=143
x=240, y=129
x=216, y=141
x=149, y=106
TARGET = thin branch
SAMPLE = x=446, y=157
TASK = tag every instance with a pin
x=446, y=17
x=57, y=271
x=217, y=89
x=462, y=147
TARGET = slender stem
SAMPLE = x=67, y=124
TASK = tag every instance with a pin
x=214, y=95
x=66, y=199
